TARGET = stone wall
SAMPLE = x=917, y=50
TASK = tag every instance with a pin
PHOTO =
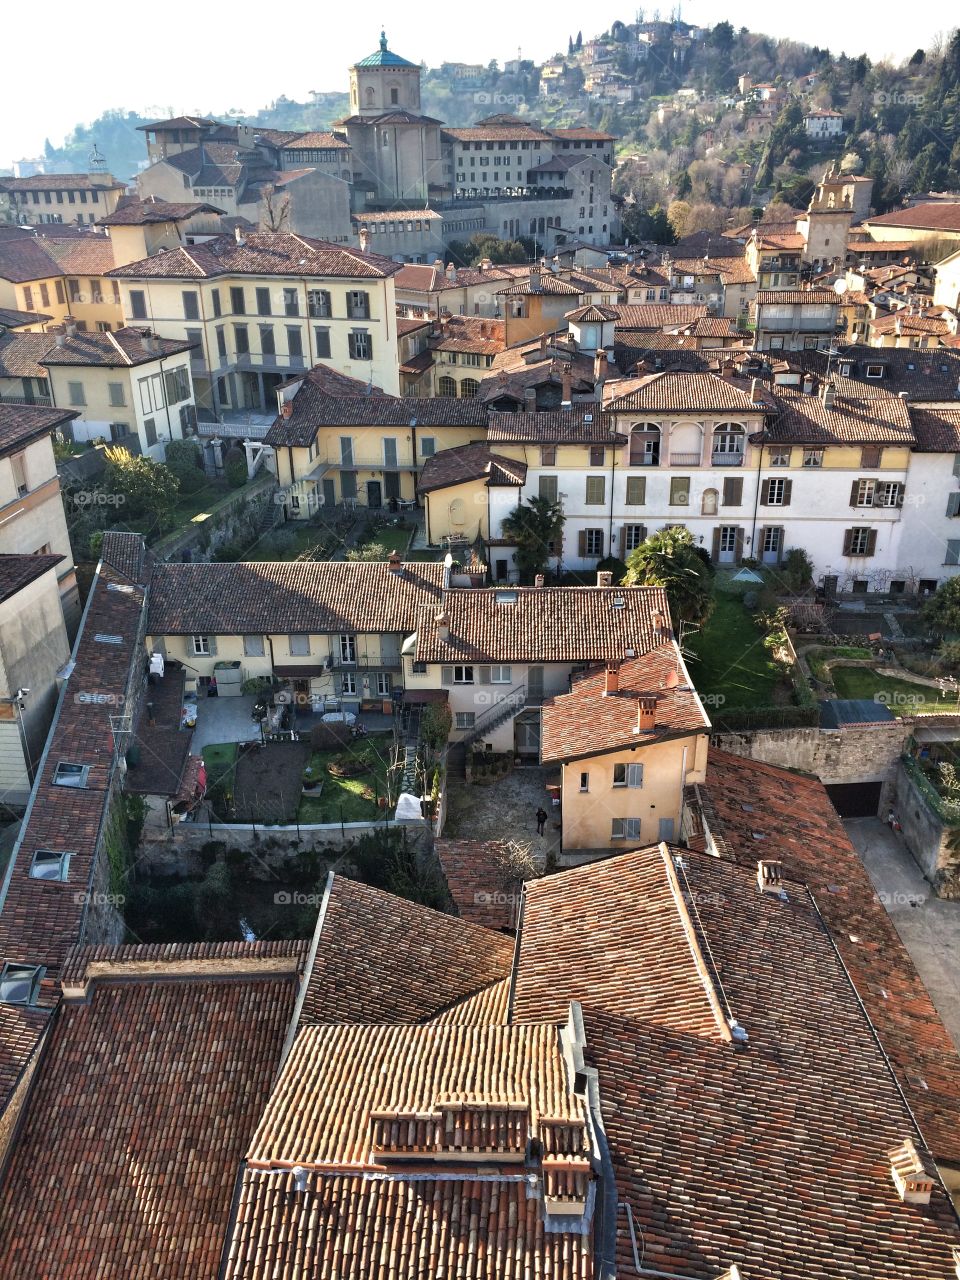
x=855, y=753
x=925, y=836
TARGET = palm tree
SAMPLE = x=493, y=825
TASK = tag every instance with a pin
x=533, y=528
x=670, y=560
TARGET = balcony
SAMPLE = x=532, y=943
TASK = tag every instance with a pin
x=727, y=459
x=644, y=460
x=685, y=459
x=43, y=402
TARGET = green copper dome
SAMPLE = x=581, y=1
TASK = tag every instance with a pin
x=383, y=57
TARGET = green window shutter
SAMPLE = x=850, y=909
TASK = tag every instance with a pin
x=715, y=553
x=854, y=492
x=787, y=490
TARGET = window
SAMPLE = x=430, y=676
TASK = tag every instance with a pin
x=295, y=342
x=953, y=551
x=348, y=648
x=862, y=492
x=770, y=541
x=76, y=393
x=709, y=502
x=813, y=457
x=428, y=446
x=584, y=782
x=358, y=305
x=221, y=343
x=777, y=492
x=596, y=455
x=150, y=431
x=241, y=339
x=71, y=775
x=419, y=668
x=446, y=386
x=268, y=346
x=47, y=865
x=462, y=675
x=138, y=300
x=390, y=451
x=321, y=340
x=548, y=455
x=44, y=296
x=465, y=719
x=176, y=384
x=679, y=491
x=349, y=685
x=263, y=302
x=291, y=302
x=117, y=394
x=780, y=456
x=628, y=775
x=469, y=388
x=18, y=466
x=383, y=684
x=19, y=983
x=360, y=345
x=346, y=451
x=625, y=829
x=591, y=543
x=873, y=371
x=596, y=488
x=727, y=543
x=253, y=646
x=238, y=303
x=953, y=504
x=859, y=541
x=633, y=536
x=299, y=646
x=318, y=304
x=191, y=305
x=548, y=488
x=636, y=491
x=201, y=646
x=500, y=675
x=215, y=299
x=733, y=491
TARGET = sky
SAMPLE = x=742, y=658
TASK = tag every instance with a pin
x=86, y=65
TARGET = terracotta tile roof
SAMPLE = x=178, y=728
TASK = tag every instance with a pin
x=797, y=297
x=22, y=423
x=580, y=424
x=139, y=1180
x=586, y=722
x=317, y=140
x=900, y=322
x=383, y=959
x=21, y=1032
x=262, y=253
x=881, y=246
x=544, y=624
x=782, y=240
x=770, y=1153
x=617, y=936
x=140, y=213
x=90, y=255
x=680, y=392
x=733, y=270
x=470, y=333
x=422, y=277
x=470, y=462
x=310, y=598
x=21, y=352
x=933, y=215
x=657, y=315
x=591, y=314
x=24, y=258
x=62, y=182
x=923, y=375
x=936, y=426
x=547, y=285
x=87, y=964
x=179, y=122
x=800, y=827
x=803, y=419
x=481, y=887
x=17, y=572
x=11, y=319
x=397, y=215
x=499, y=133
x=487, y=1007
x=582, y=133
x=405, y=325
x=126, y=553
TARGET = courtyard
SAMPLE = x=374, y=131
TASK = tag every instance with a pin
x=505, y=810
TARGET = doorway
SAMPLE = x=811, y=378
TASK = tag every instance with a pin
x=374, y=494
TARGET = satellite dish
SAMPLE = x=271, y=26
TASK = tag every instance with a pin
x=672, y=680
x=840, y=286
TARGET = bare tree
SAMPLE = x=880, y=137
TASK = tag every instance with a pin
x=274, y=209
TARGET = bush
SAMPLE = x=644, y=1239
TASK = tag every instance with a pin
x=949, y=655
x=797, y=569
x=327, y=737
x=435, y=725
x=235, y=467
x=185, y=460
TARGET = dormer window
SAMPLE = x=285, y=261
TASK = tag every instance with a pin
x=19, y=983
x=49, y=865
x=71, y=775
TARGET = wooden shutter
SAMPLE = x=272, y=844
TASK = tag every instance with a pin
x=738, y=553
x=582, y=542
x=781, y=543
x=953, y=504
x=870, y=456
x=871, y=542
x=636, y=490
x=643, y=533
x=446, y=675
x=787, y=490
x=484, y=675
x=847, y=541
x=715, y=554
x=765, y=493
x=733, y=491
x=854, y=492
x=634, y=775
x=601, y=551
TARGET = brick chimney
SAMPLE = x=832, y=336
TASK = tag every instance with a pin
x=543, y=346
x=565, y=383
x=443, y=625
x=755, y=393
x=394, y=562
x=604, y=578
x=611, y=679
x=287, y=408
x=539, y=580
x=646, y=715
x=364, y=239
x=530, y=399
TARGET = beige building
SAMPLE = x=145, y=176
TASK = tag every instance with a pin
x=258, y=307
x=946, y=288
x=629, y=739
x=32, y=521
x=126, y=387
x=57, y=274
x=82, y=198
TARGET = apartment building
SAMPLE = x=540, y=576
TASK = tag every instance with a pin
x=258, y=307
x=80, y=198
x=32, y=521
x=792, y=319
x=126, y=386
x=60, y=275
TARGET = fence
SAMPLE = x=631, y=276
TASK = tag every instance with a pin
x=737, y=721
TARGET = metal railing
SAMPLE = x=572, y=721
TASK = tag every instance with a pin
x=494, y=716
x=689, y=459
x=727, y=459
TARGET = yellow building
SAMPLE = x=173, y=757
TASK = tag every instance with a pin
x=333, y=447
x=628, y=738
x=467, y=491
x=263, y=305
x=141, y=228
x=81, y=198
x=57, y=274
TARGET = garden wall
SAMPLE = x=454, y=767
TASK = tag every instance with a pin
x=925, y=835
x=240, y=515
x=855, y=753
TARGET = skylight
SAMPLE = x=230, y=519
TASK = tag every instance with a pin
x=19, y=983
x=70, y=775
x=48, y=865
x=505, y=597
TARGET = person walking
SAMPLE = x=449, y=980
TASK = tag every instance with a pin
x=541, y=820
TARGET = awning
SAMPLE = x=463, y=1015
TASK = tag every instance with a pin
x=301, y=673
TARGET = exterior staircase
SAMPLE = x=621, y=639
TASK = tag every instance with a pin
x=503, y=709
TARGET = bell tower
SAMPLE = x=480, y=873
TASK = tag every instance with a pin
x=384, y=82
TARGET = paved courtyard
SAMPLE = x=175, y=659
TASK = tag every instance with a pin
x=929, y=926
x=505, y=810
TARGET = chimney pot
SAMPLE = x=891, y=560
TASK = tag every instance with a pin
x=566, y=387
x=364, y=239
x=611, y=679
x=539, y=580
x=770, y=875
x=646, y=715
x=604, y=578
x=829, y=395
x=443, y=625
x=287, y=409
x=394, y=561
x=911, y=1176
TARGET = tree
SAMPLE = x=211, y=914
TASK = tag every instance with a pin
x=941, y=612
x=235, y=467
x=669, y=559
x=533, y=528
x=684, y=185
x=274, y=209
x=142, y=486
x=185, y=460
x=917, y=58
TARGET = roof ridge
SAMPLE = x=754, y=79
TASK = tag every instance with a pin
x=126, y=358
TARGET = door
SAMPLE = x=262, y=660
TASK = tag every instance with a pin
x=535, y=684
x=665, y=830
x=526, y=734
x=727, y=552
x=391, y=485
x=374, y=496
x=856, y=799
x=329, y=493
x=502, y=570
x=770, y=545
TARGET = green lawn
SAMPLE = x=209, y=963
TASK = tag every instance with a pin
x=730, y=660
x=389, y=537
x=348, y=799
x=901, y=696
x=287, y=543
x=817, y=659
x=201, y=502
x=220, y=759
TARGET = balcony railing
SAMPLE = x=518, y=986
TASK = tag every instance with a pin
x=690, y=459
x=44, y=402
x=727, y=459
x=644, y=460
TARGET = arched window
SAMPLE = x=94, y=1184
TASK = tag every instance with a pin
x=458, y=513
x=709, y=502
x=469, y=388
x=645, y=445
x=370, y=96
x=446, y=387
x=728, y=442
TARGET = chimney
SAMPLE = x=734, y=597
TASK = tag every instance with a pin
x=808, y=384
x=565, y=383
x=543, y=346
x=443, y=625
x=770, y=876
x=59, y=338
x=611, y=679
x=911, y=1176
x=755, y=394
x=604, y=578
x=69, y=326
x=149, y=342
x=829, y=395
x=238, y=236
x=530, y=399
x=364, y=239
x=535, y=285
x=599, y=367
x=646, y=715
x=486, y=264
x=539, y=580
x=451, y=271
x=394, y=562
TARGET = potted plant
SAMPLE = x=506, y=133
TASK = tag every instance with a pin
x=311, y=778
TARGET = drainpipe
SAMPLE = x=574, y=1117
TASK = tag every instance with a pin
x=756, y=501
x=613, y=481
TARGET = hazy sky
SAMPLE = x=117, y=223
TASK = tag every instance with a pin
x=84, y=60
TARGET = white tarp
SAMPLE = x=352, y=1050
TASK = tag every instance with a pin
x=408, y=808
